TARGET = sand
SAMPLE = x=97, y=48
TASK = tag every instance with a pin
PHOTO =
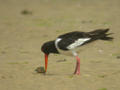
x=26, y=24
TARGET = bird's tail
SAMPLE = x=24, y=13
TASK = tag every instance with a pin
x=101, y=34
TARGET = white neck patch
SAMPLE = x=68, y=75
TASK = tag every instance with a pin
x=57, y=41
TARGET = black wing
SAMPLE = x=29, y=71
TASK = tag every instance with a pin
x=70, y=38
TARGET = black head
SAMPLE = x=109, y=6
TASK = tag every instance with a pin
x=49, y=47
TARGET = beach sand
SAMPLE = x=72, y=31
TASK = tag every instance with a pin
x=26, y=24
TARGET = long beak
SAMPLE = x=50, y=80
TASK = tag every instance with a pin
x=46, y=62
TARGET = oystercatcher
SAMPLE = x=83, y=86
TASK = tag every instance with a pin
x=70, y=43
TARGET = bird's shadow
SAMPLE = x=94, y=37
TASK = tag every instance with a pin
x=52, y=74
x=58, y=75
x=64, y=60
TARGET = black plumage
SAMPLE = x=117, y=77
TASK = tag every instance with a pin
x=49, y=47
x=71, y=37
x=70, y=41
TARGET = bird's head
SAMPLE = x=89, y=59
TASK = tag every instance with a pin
x=47, y=48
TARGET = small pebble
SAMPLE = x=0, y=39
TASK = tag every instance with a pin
x=26, y=12
x=61, y=60
x=3, y=77
x=118, y=57
x=40, y=70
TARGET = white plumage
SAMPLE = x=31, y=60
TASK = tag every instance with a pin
x=72, y=47
x=57, y=41
x=78, y=43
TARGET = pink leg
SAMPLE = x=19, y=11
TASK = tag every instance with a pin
x=77, y=69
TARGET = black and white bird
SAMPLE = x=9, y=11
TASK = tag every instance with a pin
x=70, y=43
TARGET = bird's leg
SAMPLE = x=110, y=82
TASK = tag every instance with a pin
x=77, y=69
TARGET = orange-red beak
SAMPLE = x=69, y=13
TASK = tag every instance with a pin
x=46, y=62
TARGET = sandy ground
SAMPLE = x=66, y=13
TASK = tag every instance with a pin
x=26, y=24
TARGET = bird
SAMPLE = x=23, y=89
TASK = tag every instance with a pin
x=70, y=44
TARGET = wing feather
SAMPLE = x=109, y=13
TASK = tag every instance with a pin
x=78, y=43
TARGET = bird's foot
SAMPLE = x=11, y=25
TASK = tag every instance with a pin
x=77, y=69
x=77, y=73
